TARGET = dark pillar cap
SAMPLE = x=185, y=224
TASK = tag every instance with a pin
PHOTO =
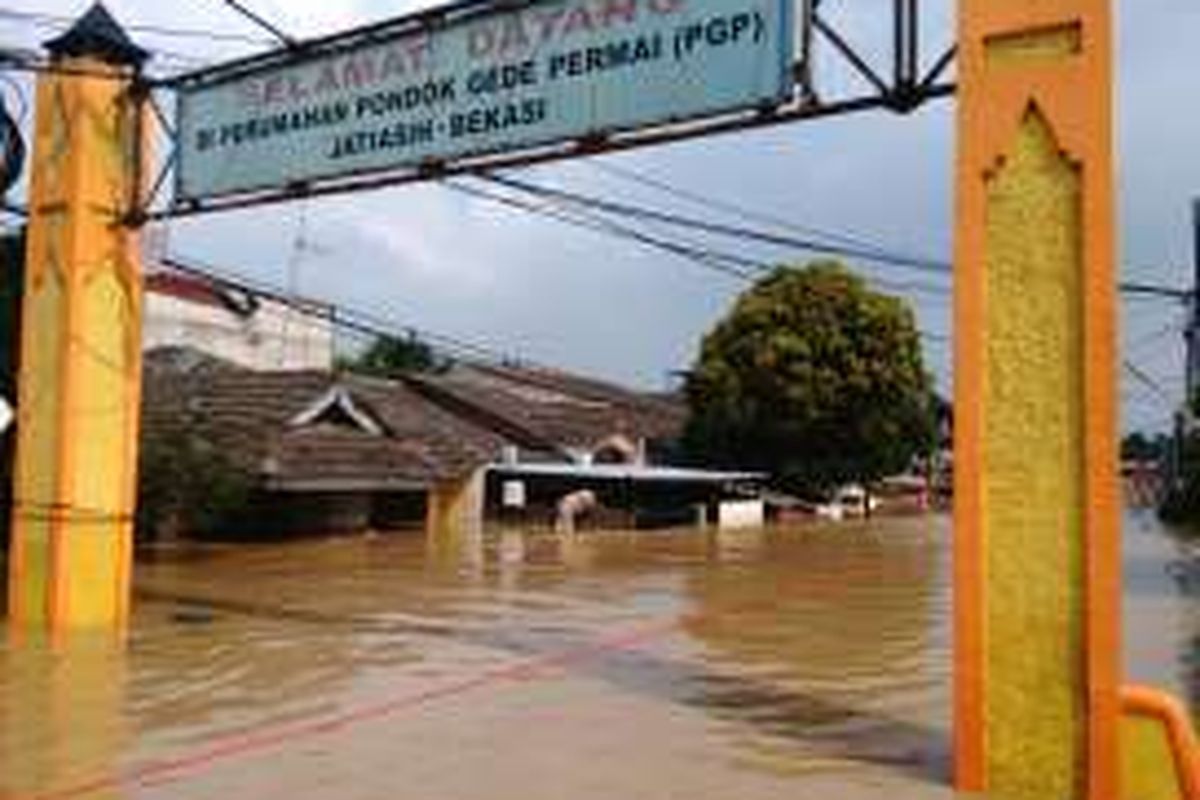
x=97, y=34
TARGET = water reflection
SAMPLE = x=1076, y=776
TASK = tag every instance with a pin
x=843, y=659
x=757, y=664
x=1162, y=607
x=1163, y=570
x=61, y=717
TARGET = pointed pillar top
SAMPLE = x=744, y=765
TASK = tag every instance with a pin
x=97, y=34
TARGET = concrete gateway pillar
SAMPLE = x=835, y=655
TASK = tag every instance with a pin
x=1036, y=505
x=1037, y=604
x=77, y=424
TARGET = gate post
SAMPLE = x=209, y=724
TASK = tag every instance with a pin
x=1037, y=583
x=79, y=385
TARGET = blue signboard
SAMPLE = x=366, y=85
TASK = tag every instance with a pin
x=506, y=80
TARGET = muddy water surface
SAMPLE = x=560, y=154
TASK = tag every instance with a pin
x=783, y=664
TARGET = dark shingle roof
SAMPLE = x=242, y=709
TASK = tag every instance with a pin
x=433, y=426
x=246, y=415
x=558, y=408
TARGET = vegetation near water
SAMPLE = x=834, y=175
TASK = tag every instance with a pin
x=815, y=379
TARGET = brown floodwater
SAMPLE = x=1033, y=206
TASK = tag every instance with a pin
x=810, y=662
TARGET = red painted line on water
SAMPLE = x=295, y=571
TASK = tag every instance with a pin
x=179, y=768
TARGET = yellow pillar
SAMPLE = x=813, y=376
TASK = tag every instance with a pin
x=1036, y=503
x=79, y=380
x=61, y=717
x=454, y=521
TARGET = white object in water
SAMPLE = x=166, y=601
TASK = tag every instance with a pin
x=741, y=514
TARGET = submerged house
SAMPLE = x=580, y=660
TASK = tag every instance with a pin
x=611, y=444
x=317, y=451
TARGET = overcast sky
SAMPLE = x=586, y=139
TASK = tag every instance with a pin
x=427, y=257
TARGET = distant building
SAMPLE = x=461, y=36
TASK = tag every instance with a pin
x=231, y=324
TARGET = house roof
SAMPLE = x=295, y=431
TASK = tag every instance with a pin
x=311, y=430
x=554, y=409
x=251, y=417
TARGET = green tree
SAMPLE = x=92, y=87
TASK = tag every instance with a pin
x=188, y=486
x=389, y=356
x=1137, y=446
x=813, y=378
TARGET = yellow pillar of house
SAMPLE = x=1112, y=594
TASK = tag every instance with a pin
x=79, y=379
x=61, y=717
x=1036, y=506
x=454, y=520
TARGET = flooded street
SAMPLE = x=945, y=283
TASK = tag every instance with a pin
x=796, y=663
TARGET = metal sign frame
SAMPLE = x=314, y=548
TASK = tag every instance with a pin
x=907, y=79
x=747, y=66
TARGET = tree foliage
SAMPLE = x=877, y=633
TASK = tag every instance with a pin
x=1139, y=446
x=390, y=356
x=813, y=378
x=188, y=486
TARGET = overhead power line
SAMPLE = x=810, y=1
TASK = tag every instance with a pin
x=57, y=21
x=725, y=263
x=808, y=244
x=725, y=206
x=1143, y=378
x=262, y=22
x=346, y=318
x=812, y=244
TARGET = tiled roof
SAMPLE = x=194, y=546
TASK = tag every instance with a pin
x=246, y=415
x=559, y=408
x=433, y=426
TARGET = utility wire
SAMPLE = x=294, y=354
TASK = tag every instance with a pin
x=1143, y=378
x=1175, y=327
x=703, y=257
x=349, y=319
x=726, y=206
x=809, y=244
x=728, y=264
x=31, y=62
x=261, y=22
x=813, y=245
x=57, y=21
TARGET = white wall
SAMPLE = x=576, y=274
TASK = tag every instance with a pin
x=274, y=337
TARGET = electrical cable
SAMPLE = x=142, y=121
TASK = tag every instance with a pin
x=706, y=258
x=160, y=30
x=815, y=245
x=340, y=316
x=725, y=263
x=261, y=22
x=1146, y=380
x=726, y=206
